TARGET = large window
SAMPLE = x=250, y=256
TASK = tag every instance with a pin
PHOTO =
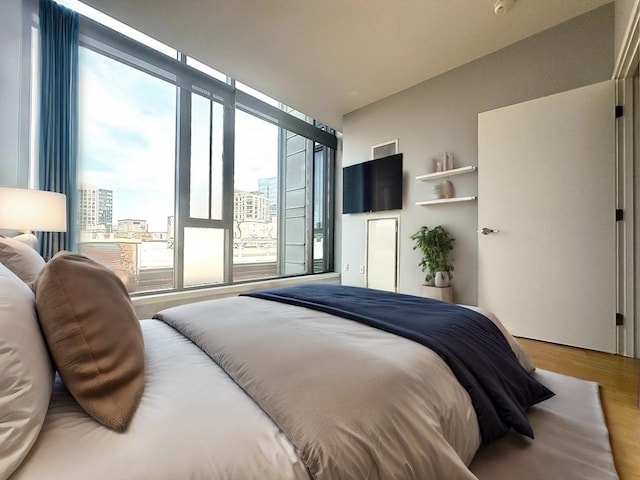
x=126, y=171
x=188, y=181
x=255, y=198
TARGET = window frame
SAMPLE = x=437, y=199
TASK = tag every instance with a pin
x=188, y=80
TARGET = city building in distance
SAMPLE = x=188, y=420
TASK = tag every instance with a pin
x=95, y=212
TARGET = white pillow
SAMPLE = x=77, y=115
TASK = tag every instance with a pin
x=21, y=259
x=26, y=374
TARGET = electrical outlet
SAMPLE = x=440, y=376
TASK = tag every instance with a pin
x=345, y=267
x=362, y=269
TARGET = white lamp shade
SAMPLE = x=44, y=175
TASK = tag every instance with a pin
x=23, y=209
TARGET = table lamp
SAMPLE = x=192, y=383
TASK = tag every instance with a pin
x=28, y=210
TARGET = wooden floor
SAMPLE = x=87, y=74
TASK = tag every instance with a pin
x=618, y=378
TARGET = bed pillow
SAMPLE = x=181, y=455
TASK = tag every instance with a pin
x=93, y=335
x=21, y=259
x=26, y=375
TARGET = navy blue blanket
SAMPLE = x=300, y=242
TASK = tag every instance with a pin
x=471, y=344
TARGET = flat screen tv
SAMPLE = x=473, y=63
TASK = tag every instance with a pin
x=373, y=186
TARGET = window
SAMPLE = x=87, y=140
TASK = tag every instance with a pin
x=126, y=170
x=255, y=199
x=206, y=158
x=187, y=181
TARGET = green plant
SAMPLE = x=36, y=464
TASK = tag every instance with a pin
x=436, y=245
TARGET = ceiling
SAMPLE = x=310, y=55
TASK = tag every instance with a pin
x=327, y=58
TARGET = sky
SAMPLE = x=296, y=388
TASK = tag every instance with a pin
x=127, y=132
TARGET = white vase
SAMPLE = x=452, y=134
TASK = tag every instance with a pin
x=442, y=279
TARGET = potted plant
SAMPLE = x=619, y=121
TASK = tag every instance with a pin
x=436, y=245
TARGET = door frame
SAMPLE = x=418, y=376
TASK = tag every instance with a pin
x=627, y=192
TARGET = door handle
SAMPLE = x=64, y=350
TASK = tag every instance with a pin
x=487, y=231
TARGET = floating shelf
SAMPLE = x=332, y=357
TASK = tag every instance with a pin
x=446, y=173
x=446, y=200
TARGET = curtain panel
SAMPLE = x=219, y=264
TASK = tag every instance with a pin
x=58, y=117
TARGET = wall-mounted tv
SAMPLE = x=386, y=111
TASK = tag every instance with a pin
x=373, y=186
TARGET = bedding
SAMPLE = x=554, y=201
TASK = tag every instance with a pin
x=471, y=345
x=21, y=259
x=193, y=421
x=291, y=393
x=26, y=376
x=356, y=402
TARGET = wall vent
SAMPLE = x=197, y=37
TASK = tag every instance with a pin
x=384, y=149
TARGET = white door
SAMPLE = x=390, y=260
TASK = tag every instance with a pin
x=546, y=183
x=382, y=253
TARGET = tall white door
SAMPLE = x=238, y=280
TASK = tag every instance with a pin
x=546, y=185
x=382, y=254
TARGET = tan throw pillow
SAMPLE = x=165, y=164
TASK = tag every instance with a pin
x=21, y=259
x=26, y=375
x=94, y=336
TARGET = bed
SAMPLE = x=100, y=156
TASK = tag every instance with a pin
x=253, y=388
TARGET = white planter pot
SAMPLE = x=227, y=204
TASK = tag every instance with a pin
x=442, y=279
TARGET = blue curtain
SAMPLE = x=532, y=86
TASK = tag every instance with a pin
x=58, y=117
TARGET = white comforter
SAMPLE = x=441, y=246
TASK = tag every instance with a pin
x=195, y=422
x=192, y=422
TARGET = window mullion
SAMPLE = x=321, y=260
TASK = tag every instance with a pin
x=309, y=187
x=228, y=156
x=210, y=158
x=329, y=214
x=182, y=190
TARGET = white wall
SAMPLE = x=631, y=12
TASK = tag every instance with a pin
x=10, y=36
x=14, y=128
x=441, y=115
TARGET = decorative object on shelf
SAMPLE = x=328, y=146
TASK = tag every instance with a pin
x=446, y=193
x=436, y=245
x=447, y=161
x=437, y=191
x=437, y=165
x=447, y=189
